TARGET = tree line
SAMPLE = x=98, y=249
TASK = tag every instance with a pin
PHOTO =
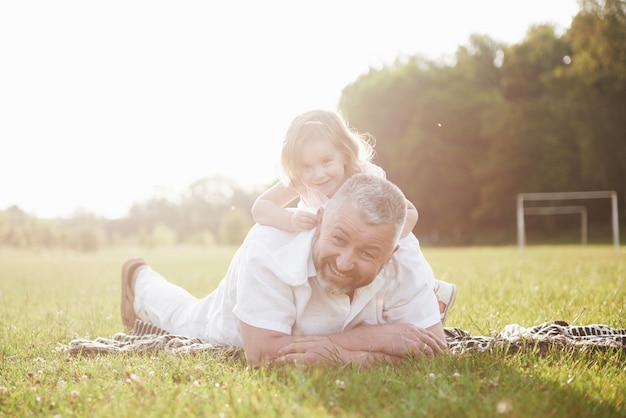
x=211, y=211
x=461, y=140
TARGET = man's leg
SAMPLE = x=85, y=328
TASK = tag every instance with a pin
x=159, y=302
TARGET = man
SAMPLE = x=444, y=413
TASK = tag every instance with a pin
x=334, y=294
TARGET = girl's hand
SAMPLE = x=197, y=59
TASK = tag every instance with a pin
x=303, y=221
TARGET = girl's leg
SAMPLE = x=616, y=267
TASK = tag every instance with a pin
x=446, y=294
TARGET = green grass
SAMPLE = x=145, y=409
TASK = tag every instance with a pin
x=49, y=298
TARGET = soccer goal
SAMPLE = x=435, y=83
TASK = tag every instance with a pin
x=556, y=210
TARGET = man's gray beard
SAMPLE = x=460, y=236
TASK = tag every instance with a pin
x=329, y=288
x=391, y=268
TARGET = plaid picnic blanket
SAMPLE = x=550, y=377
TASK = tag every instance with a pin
x=147, y=338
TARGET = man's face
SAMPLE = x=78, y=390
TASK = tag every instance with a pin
x=348, y=253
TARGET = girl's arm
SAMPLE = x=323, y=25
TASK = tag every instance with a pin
x=411, y=218
x=268, y=209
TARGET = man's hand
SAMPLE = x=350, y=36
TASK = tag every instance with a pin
x=398, y=342
x=361, y=345
x=406, y=339
x=312, y=350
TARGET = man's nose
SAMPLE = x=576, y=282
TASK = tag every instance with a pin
x=345, y=260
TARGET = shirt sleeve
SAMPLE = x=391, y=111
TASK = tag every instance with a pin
x=410, y=297
x=263, y=299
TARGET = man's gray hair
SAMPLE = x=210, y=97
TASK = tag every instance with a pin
x=378, y=200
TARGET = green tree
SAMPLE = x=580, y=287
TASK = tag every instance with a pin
x=234, y=226
x=529, y=135
x=598, y=74
x=161, y=234
x=428, y=124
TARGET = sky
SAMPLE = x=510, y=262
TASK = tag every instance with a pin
x=107, y=104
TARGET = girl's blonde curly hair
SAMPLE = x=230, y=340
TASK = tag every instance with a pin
x=355, y=148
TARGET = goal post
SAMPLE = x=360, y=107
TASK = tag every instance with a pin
x=522, y=211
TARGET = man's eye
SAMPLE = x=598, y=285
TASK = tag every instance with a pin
x=338, y=239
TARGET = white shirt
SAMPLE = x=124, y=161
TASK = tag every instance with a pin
x=271, y=284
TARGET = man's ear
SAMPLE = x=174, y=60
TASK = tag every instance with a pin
x=318, y=227
x=319, y=214
x=392, y=253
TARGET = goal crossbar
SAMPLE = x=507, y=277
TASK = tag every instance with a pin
x=568, y=195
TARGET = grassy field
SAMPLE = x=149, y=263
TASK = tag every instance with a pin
x=49, y=298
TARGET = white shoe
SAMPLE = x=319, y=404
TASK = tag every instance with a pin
x=446, y=294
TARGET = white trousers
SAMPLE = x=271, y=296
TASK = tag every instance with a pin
x=169, y=306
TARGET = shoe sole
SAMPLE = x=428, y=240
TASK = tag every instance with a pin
x=449, y=305
x=128, y=295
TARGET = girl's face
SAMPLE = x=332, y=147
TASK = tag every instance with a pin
x=322, y=166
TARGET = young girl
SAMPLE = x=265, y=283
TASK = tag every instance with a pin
x=320, y=151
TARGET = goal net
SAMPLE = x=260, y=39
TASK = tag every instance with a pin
x=556, y=210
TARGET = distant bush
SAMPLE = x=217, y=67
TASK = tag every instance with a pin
x=234, y=226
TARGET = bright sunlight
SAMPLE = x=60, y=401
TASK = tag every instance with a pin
x=107, y=104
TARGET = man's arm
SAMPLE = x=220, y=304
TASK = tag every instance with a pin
x=395, y=339
x=361, y=345
x=262, y=345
